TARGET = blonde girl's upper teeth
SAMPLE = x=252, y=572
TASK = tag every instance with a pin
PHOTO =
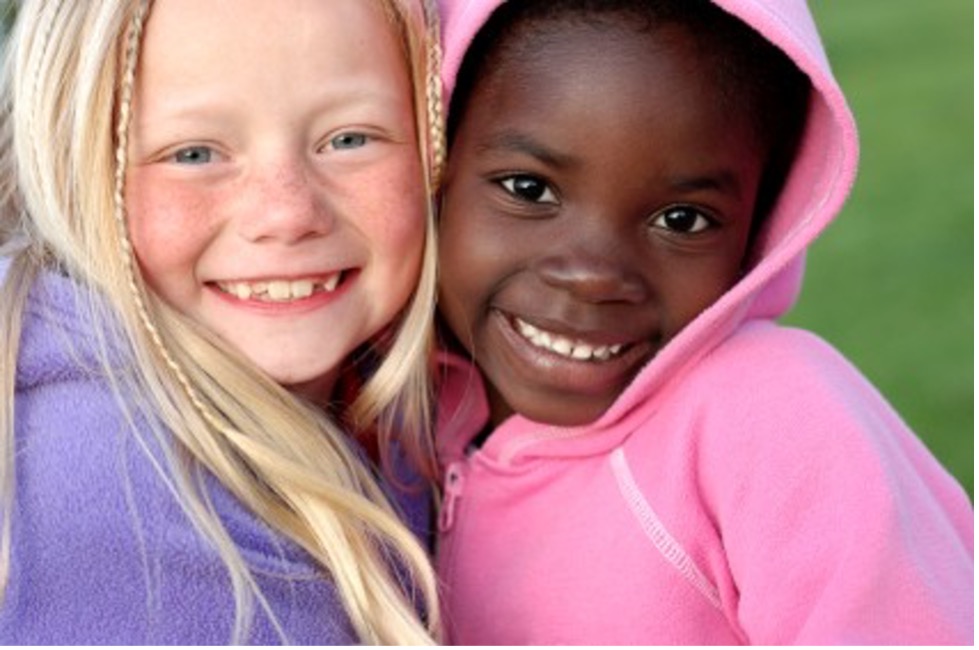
x=301, y=289
x=278, y=290
x=286, y=290
x=242, y=290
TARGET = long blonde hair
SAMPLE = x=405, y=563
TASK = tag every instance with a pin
x=67, y=90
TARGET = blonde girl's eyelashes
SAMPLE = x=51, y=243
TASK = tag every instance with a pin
x=529, y=188
x=193, y=155
x=682, y=219
x=348, y=141
x=201, y=154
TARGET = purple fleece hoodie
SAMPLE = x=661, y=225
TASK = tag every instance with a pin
x=749, y=486
x=102, y=552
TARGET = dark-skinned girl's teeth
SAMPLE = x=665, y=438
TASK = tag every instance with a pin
x=563, y=346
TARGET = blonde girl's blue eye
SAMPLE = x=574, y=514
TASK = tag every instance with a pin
x=197, y=155
x=348, y=141
x=527, y=187
x=683, y=220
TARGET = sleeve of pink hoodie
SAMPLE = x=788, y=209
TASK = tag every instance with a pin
x=838, y=525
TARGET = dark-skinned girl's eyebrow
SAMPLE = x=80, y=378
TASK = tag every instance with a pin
x=724, y=181
x=514, y=141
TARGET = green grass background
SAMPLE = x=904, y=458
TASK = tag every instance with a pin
x=891, y=282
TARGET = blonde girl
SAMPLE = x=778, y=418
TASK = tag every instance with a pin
x=211, y=212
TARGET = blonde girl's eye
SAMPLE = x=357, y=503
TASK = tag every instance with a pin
x=682, y=219
x=348, y=141
x=527, y=187
x=196, y=155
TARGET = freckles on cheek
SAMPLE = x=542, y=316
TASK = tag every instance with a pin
x=408, y=229
x=398, y=217
x=168, y=225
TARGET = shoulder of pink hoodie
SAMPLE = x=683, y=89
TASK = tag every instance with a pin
x=750, y=486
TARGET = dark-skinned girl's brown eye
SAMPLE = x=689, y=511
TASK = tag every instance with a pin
x=682, y=220
x=528, y=188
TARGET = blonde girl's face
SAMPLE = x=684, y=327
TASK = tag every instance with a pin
x=274, y=191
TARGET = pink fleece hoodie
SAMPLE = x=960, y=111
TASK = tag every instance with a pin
x=750, y=486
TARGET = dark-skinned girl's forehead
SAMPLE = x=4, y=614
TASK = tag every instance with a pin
x=752, y=74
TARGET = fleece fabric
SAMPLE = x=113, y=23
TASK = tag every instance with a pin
x=102, y=552
x=749, y=487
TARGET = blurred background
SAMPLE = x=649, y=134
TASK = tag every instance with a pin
x=891, y=283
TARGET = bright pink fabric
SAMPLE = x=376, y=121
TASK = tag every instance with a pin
x=750, y=486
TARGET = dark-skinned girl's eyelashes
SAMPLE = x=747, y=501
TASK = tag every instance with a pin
x=527, y=187
x=682, y=219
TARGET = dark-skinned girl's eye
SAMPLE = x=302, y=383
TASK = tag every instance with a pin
x=528, y=188
x=682, y=220
x=198, y=155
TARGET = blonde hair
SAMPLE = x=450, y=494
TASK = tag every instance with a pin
x=67, y=90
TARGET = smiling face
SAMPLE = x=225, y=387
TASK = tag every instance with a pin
x=598, y=197
x=274, y=190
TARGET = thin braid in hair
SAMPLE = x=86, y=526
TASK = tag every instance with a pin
x=133, y=37
x=351, y=583
x=133, y=279
x=433, y=91
x=131, y=56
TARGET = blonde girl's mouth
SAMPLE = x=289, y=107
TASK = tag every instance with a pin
x=281, y=290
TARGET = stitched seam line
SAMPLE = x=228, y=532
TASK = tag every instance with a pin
x=668, y=547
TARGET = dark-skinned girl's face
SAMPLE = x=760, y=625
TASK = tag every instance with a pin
x=599, y=196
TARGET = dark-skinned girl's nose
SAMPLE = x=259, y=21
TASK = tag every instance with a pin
x=592, y=277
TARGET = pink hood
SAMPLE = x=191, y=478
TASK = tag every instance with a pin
x=817, y=186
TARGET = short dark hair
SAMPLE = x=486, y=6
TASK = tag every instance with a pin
x=755, y=78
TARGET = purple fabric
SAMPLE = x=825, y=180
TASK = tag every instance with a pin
x=102, y=552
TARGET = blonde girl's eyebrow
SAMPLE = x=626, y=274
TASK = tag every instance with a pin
x=218, y=109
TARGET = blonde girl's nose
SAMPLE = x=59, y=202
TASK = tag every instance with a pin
x=283, y=204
